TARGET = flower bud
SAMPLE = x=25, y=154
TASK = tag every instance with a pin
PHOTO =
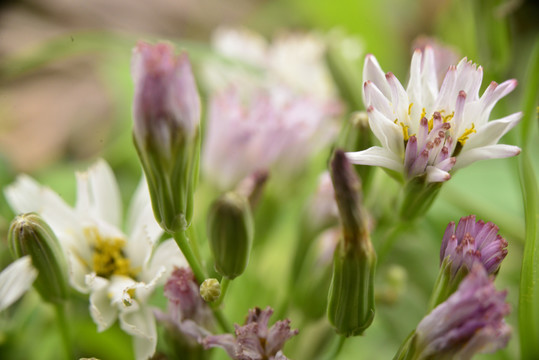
x=351, y=295
x=30, y=235
x=166, y=113
x=210, y=290
x=230, y=232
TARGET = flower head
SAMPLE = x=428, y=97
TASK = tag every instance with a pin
x=254, y=340
x=470, y=321
x=427, y=129
x=118, y=270
x=473, y=242
x=272, y=128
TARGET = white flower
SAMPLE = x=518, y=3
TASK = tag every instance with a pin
x=427, y=129
x=119, y=271
x=15, y=280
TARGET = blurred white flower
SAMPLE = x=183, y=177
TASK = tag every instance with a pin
x=119, y=271
x=273, y=129
x=427, y=129
x=15, y=280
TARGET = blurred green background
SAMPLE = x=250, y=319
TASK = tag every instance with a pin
x=65, y=99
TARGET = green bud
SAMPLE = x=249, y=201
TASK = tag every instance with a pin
x=30, y=235
x=356, y=136
x=351, y=294
x=446, y=282
x=230, y=232
x=210, y=290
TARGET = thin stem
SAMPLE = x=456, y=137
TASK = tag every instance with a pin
x=390, y=240
x=222, y=320
x=64, y=329
x=185, y=246
x=335, y=351
x=224, y=287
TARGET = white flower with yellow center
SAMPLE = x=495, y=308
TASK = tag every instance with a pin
x=427, y=129
x=119, y=271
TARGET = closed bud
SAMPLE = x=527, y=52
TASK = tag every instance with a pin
x=351, y=295
x=230, y=232
x=30, y=235
x=166, y=113
x=210, y=290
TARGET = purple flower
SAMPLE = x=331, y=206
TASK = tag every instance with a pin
x=473, y=242
x=470, y=321
x=254, y=340
x=189, y=317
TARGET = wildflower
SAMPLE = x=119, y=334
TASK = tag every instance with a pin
x=271, y=129
x=429, y=130
x=471, y=242
x=470, y=321
x=119, y=271
x=254, y=340
x=166, y=112
x=15, y=280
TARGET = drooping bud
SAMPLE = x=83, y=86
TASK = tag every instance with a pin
x=230, y=232
x=351, y=295
x=30, y=235
x=210, y=290
x=166, y=113
x=471, y=242
x=470, y=321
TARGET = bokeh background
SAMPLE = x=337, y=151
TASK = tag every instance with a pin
x=65, y=100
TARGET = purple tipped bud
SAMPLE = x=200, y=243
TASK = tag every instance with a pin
x=470, y=321
x=255, y=340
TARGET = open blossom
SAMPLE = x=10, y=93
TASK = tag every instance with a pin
x=118, y=270
x=254, y=340
x=273, y=128
x=428, y=129
x=473, y=242
x=470, y=321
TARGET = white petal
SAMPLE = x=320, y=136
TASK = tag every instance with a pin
x=429, y=79
x=102, y=310
x=167, y=256
x=376, y=156
x=498, y=151
x=375, y=98
x=491, y=133
x=414, y=83
x=139, y=322
x=98, y=194
x=373, y=72
x=437, y=175
x=495, y=92
x=77, y=272
x=389, y=133
x=15, y=280
x=399, y=98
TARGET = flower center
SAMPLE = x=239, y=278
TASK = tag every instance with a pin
x=108, y=256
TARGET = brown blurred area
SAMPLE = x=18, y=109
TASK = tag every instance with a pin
x=62, y=108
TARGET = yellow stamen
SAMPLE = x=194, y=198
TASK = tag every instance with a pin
x=448, y=117
x=431, y=124
x=423, y=113
x=410, y=109
x=108, y=256
x=405, y=128
x=462, y=139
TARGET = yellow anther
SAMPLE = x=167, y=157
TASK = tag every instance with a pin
x=447, y=118
x=431, y=124
x=410, y=108
x=423, y=113
x=405, y=128
x=108, y=256
x=462, y=139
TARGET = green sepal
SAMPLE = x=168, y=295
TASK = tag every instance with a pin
x=418, y=197
x=351, y=295
x=230, y=232
x=30, y=235
x=446, y=282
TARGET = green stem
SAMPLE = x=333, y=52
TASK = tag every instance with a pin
x=335, y=351
x=64, y=329
x=222, y=320
x=224, y=287
x=185, y=246
x=390, y=239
